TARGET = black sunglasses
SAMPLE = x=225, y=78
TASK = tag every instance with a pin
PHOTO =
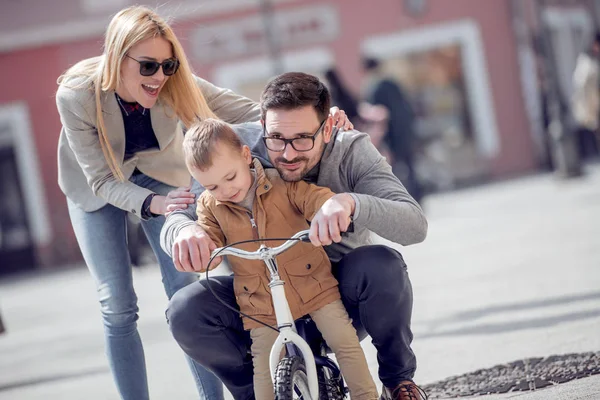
x=300, y=144
x=149, y=68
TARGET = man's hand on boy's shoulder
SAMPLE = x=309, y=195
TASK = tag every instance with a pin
x=332, y=219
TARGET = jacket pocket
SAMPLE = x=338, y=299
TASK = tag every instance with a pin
x=310, y=274
x=252, y=296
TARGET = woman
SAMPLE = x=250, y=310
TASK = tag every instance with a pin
x=120, y=151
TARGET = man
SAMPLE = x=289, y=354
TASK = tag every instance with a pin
x=373, y=280
x=399, y=138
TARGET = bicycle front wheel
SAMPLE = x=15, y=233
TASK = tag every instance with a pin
x=291, y=381
x=330, y=387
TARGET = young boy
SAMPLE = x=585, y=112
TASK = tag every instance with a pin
x=242, y=201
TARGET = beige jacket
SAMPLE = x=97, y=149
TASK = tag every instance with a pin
x=280, y=210
x=586, y=92
x=83, y=173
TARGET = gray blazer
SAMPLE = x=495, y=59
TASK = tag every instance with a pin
x=83, y=173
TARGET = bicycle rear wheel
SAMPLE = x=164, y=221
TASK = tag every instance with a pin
x=291, y=381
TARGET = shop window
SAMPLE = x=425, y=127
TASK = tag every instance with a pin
x=16, y=245
x=446, y=155
x=443, y=73
x=24, y=224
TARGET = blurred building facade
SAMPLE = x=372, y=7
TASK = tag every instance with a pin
x=471, y=68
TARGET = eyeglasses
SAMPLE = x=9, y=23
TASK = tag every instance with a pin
x=149, y=68
x=300, y=144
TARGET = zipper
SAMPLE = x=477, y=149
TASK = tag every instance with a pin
x=254, y=226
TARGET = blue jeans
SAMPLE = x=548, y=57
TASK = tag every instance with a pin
x=102, y=239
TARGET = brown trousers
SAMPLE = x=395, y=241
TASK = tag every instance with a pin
x=335, y=326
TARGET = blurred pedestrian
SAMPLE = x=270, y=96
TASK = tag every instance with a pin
x=341, y=95
x=400, y=135
x=366, y=117
x=586, y=99
x=120, y=151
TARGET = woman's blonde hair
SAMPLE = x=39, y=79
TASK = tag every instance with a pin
x=102, y=74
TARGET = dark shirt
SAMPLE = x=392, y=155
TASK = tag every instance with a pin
x=139, y=135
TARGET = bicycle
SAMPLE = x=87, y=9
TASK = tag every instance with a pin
x=305, y=370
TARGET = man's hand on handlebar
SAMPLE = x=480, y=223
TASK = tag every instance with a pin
x=192, y=248
x=332, y=219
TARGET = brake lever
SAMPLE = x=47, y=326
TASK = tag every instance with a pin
x=350, y=228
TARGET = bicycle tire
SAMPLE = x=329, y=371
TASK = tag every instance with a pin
x=291, y=379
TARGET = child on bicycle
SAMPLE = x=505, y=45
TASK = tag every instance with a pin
x=244, y=201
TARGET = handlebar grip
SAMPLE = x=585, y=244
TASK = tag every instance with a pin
x=350, y=229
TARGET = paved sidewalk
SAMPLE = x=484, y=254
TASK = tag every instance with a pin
x=508, y=271
x=582, y=389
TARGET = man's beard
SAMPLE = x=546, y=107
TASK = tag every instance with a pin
x=301, y=172
x=292, y=176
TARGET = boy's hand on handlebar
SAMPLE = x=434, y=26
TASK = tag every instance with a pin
x=332, y=219
x=192, y=248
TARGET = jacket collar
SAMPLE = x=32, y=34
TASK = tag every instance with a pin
x=164, y=124
x=264, y=184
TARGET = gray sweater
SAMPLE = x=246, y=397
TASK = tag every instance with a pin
x=350, y=164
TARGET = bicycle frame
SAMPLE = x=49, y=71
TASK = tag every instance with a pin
x=285, y=322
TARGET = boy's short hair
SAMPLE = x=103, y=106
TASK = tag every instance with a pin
x=201, y=139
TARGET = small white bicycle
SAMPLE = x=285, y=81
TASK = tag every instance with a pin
x=305, y=371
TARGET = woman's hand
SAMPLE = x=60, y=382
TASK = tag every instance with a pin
x=340, y=119
x=178, y=199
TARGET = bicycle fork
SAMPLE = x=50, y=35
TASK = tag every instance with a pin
x=287, y=332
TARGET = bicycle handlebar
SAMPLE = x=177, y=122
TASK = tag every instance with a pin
x=263, y=252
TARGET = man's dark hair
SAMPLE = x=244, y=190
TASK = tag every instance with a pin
x=294, y=90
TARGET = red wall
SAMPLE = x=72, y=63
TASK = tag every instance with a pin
x=30, y=76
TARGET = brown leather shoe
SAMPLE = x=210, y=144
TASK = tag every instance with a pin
x=406, y=390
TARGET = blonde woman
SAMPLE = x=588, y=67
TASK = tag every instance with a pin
x=120, y=151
